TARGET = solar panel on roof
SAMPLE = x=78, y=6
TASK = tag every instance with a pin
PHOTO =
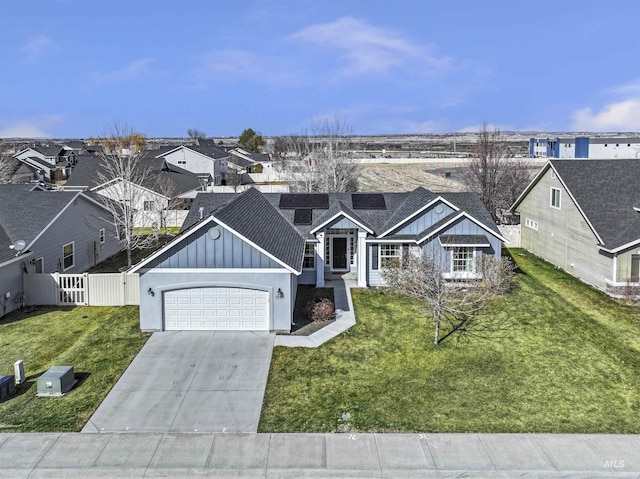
x=302, y=217
x=304, y=200
x=368, y=201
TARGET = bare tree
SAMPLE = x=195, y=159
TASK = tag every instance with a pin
x=233, y=178
x=319, y=161
x=7, y=167
x=196, y=134
x=494, y=173
x=453, y=303
x=122, y=171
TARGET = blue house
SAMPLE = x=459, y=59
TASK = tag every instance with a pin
x=239, y=258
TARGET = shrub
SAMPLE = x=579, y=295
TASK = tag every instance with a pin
x=323, y=311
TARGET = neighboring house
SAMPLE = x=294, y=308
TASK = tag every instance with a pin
x=599, y=147
x=239, y=259
x=208, y=162
x=584, y=217
x=161, y=197
x=48, y=163
x=45, y=232
x=247, y=161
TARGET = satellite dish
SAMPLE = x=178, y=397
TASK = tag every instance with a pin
x=19, y=245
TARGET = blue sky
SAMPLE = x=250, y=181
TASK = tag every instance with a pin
x=70, y=68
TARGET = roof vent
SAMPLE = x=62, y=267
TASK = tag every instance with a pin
x=201, y=212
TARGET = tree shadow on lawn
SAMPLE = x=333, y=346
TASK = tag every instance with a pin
x=32, y=311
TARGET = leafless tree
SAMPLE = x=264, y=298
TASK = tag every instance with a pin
x=494, y=173
x=7, y=167
x=233, y=178
x=196, y=134
x=319, y=161
x=453, y=303
x=167, y=189
x=121, y=172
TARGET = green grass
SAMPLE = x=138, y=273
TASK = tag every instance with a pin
x=119, y=260
x=99, y=342
x=568, y=363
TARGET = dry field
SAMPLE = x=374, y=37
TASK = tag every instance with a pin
x=406, y=177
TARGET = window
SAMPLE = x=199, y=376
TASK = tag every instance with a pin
x=182, y=162
x=148, y=206
x=555, y=198
x=38, y=266
x=67, y=256
x=531, y=224
x=462, y=260
x=390, y=255
x=101, y=235
x=309, y=261
x=553, y=175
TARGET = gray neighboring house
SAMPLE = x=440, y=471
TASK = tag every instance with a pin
x=239, y=258
x=208, y=162
x=48, y=163
x=584, y=217
x=62, y=232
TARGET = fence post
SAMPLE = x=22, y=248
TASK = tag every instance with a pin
x=56, y=278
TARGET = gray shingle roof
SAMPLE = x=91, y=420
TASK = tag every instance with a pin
x=30, y=212
x=475, y=240
x=606, y=191
x=264, y=227
x=412, y=203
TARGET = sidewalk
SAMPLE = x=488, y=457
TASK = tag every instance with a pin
x=319, y=455
x=345, y=318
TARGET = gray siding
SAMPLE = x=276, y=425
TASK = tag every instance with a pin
x=81, y=223
x=425, y=219
x=151, y=307
x=11, y=282
x=624, y=264
x=227, y=251
x=563, y=237
x=342, y=222
x=308, y=276
x=195, y=162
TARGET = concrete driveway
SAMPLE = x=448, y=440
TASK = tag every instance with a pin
x=190, y=381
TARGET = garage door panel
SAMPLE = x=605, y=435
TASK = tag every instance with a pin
x=216, y=309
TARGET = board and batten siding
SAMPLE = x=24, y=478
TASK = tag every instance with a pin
x=80, y=223
x=563, y=237
x=425, y=219
x=201, y=251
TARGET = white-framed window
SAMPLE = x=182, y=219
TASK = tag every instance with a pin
x=101, y=235
x=553, y=175
x=529, y=223
x=390, y=254
x=147, y=206
x=555, y=198
x=182, y=162
x=68, y=260
x=309, y=261
x=462, y=259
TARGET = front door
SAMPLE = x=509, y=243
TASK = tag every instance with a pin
x=339, y=254
x=635, y=268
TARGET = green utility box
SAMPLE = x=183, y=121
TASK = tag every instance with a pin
x=56, y=381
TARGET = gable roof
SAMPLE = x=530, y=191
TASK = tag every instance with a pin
x=213, y=152
x=605, y=192
x=31, y=212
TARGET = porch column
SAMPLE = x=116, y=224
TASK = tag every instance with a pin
x=362, y=259
x=320, y=260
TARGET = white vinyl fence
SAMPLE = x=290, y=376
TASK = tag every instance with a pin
x=104, y=289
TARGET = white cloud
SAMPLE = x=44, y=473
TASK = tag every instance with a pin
x=131, y=71
x=371, y=50
x=30, y=128
x=37, y=47
x=619, y=116
x=429, y=126
x=226, y=65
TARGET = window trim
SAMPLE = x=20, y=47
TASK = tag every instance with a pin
x=551, y=197
x=309, y=256
x=384, y=256
x=35, y=262
x=465, y=272
x=72, y=256
x=529, y=223
x=148, y=205
x=102, y=235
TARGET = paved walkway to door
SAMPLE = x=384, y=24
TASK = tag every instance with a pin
x=190, y=381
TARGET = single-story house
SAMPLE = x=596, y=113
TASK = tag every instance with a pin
x=239, y=258
x=46, y=232
x=584, y=217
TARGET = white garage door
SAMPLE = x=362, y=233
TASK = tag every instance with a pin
x=230, y=309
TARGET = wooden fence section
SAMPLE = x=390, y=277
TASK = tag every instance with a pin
x=105, y=289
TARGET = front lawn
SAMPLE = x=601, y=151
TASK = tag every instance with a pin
x=569, y=363
x=99, y=342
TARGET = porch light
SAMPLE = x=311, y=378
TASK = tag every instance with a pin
x=151, y=292
x=280, y=294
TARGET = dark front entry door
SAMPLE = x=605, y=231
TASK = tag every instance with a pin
x=339, y=254
x=635, y=268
